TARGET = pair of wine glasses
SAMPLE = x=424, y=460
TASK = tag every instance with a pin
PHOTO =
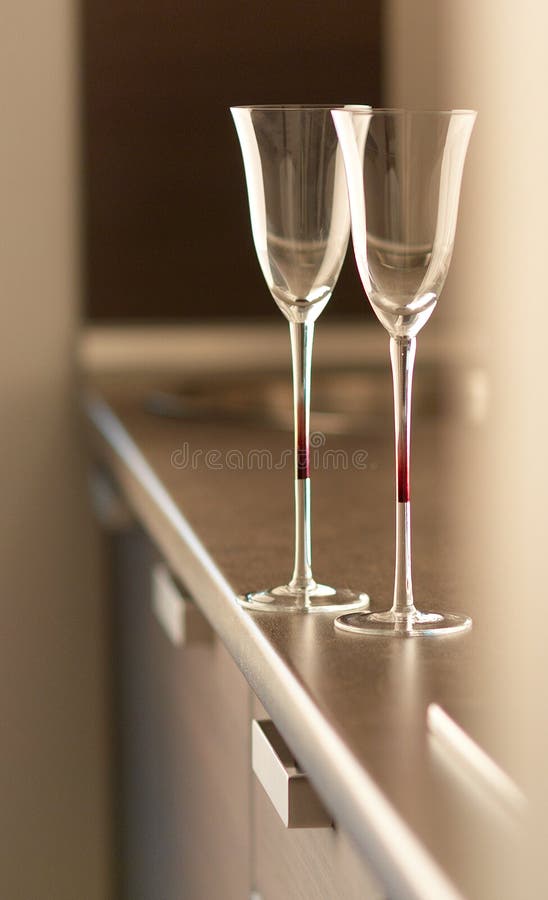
x=393, y=177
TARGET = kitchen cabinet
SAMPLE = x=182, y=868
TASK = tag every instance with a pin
x=194, y=821
x=304, y=863
x=184, y=751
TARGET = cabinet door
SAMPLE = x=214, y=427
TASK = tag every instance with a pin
x=184, y=752
x=304, y=863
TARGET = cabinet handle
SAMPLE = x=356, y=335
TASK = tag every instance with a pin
x=177, y=614
x=288, y=789
x=108, y=505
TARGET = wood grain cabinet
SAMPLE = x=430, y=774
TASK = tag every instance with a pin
x=194, y=821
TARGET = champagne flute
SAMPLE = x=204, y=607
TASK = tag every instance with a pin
x=301, y=224
x=404, y=171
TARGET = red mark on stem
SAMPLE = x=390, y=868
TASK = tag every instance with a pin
x=303, y=456
x=403, y=475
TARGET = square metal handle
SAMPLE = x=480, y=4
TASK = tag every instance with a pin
x=288, y=789
x=107, y=502
x=179, y=617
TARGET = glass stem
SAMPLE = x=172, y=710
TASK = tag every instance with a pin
x=302, y=336
x=402, y=358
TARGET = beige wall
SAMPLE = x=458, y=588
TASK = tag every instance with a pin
x=53, y=812
x=492, y=55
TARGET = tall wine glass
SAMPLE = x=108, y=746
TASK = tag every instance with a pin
x=301, y=224
x=404, y=172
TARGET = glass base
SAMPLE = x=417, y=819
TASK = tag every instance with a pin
x=320, y=598
x=414, y=624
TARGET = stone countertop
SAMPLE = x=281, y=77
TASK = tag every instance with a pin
x=217, y=500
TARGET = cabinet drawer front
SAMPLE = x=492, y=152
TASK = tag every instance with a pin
x=304, y=863
x=184, y=747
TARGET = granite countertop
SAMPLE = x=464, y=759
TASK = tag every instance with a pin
x=353, y=709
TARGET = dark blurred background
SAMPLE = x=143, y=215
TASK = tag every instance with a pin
x=167, y=232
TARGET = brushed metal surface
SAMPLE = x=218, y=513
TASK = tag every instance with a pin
x=352, y=710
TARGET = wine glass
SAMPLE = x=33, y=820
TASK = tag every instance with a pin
x=301, y=225
x=404, y=171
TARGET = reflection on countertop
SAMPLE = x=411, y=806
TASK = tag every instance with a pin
x=352, y=708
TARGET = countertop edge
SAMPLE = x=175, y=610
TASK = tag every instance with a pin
x=358, y=805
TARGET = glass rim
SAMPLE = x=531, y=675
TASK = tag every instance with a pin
x=402, y=111
x=302, y=106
